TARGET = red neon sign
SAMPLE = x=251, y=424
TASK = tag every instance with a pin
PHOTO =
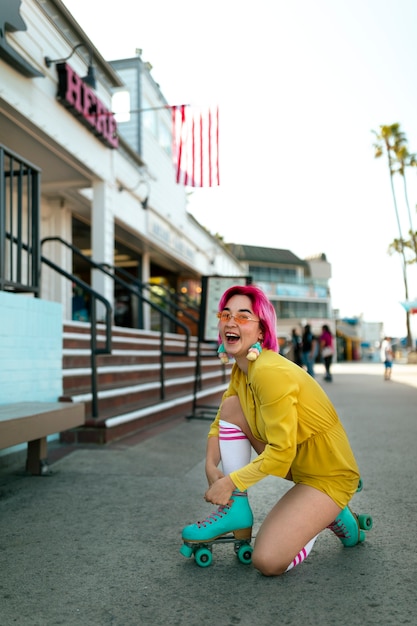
x=78, y=98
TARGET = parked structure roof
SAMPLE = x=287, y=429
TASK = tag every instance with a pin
x=270, y=256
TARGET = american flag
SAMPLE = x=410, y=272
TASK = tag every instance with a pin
x=195, y=145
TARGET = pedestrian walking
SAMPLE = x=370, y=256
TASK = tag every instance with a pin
x=387, y=357
x=309, y=349
x=327, y=350
x=296, y=347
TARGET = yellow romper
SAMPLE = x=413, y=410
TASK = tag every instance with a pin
x=289, y=411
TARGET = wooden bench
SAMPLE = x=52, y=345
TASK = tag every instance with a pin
x=32, y=422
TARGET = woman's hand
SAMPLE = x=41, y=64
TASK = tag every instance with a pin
x=213, y=474
x=220, y=491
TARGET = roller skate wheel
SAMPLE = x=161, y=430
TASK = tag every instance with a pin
x=365, y=522
x=203, y=557
x=186, y=551
x=244, y=554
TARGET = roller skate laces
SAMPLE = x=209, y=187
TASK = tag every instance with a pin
x=214, y=517
x=339, y=529
x=349, y=527
x=235, y=517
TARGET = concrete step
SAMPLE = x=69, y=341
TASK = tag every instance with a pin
x=131, y=394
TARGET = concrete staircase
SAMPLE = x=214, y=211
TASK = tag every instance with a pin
x=132, y=395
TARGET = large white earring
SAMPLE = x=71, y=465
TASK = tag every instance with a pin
x=254, y=351
x=222, y=354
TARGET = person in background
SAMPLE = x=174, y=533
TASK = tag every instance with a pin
x=309, y=349
x=387, y=356
x=327, y=350
x=275, y=408
x=296, y=347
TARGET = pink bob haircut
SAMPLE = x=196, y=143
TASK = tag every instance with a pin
x=262, y=308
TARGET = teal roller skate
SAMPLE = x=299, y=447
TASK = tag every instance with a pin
x=350, y=528
x=228, y=524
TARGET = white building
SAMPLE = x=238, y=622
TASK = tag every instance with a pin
x=93, y=183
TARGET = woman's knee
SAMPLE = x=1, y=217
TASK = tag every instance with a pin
x=231, y=411
x=266, y=564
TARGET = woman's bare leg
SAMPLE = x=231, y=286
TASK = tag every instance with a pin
x=298, y=517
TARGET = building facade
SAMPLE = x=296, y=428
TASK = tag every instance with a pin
x=113, y=198
x=80, y=184
x=299, y=289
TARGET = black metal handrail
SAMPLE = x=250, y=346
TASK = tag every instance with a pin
x=95, y=351
x=170, y=298
x=200, y=411
x=135, y=290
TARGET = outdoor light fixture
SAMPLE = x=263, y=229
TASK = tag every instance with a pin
x=142, y=181
x=90, y=79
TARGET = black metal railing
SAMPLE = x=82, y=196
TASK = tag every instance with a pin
x=95, y=296
x=170, y=301
x=135, y=290
x=19, y=224
x=94, y=349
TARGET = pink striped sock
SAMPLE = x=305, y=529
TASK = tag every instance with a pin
x=235, y=448
x=303, y=554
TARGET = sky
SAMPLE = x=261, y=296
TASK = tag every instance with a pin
x=300, y=86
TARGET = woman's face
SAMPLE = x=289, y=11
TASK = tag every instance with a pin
x=238, y=338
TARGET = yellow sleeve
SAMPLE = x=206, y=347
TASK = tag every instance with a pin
x=248, y=475
x=278, y=400
x=230, y=391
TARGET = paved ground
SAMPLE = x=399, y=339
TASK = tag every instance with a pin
x=97, y=543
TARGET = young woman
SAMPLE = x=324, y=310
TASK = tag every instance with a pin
x=327, y=350
x=276, y=408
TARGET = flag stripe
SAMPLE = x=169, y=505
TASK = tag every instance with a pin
x=217, y=150
x=195, y=146
x=179, y=121
x=201, y=151
x=209, y=148
x=193, y=153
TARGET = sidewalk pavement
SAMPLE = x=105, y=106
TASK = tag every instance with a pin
x=97, y=543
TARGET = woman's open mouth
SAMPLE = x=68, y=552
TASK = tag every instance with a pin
x=231, y=338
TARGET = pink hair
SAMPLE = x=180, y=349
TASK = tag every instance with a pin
x=262, y=308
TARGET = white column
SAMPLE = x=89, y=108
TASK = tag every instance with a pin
x=146, y=274
x=56, y=222
x=102, y=241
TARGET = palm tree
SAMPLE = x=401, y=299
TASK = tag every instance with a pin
x=393, y=140
x=405, y=159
